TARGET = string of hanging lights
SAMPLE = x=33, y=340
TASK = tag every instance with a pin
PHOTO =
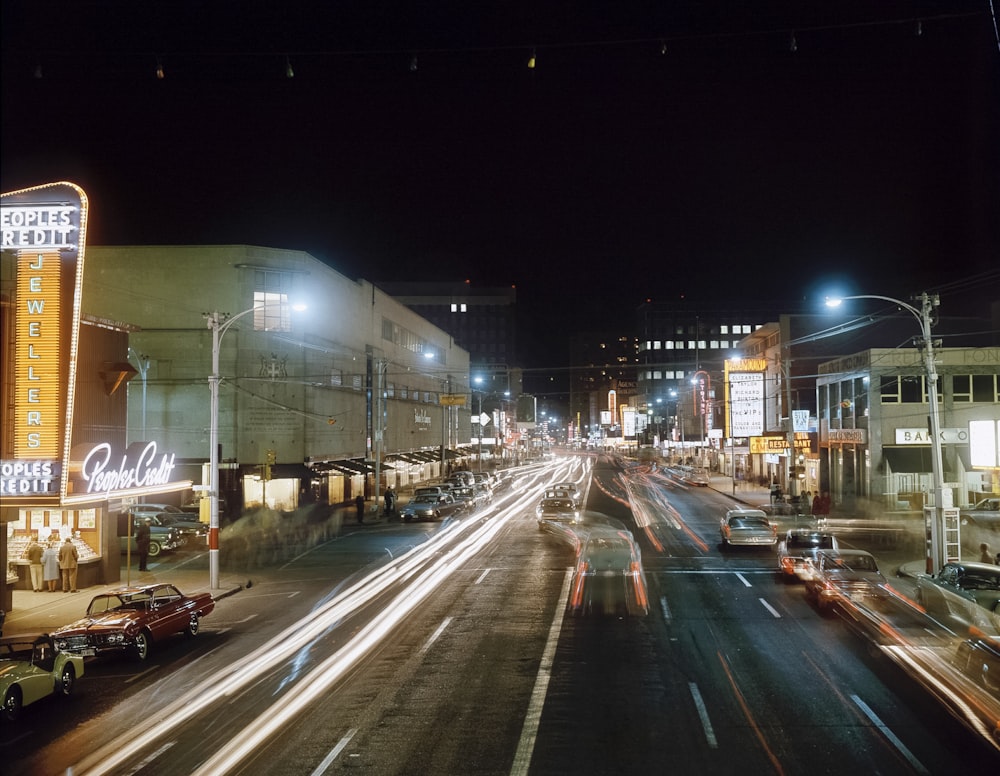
x=48, y=62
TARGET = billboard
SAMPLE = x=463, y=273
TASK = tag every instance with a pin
x=745, y=397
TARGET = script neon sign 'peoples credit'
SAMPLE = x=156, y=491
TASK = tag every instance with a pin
x=103, y=475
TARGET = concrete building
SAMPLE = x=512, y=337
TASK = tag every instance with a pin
x=874, y=445
x=354, y=393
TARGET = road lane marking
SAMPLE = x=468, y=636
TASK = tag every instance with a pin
x=142, y=674
x=706, y=723
x=482, y=576
x=743, y=579
x=884, y=729
x=770, y=608
x=435, y=635
x=666, y=609
x=533, y=716
x=328, y=760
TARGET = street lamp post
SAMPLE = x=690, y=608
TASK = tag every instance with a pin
x=219, y=323
x=936, y=555
x=142, y=363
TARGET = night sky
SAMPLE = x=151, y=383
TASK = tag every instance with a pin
x=656, y=150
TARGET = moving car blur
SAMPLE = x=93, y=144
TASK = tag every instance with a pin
x=798, y=549
x=608, y=579
x=845, y=577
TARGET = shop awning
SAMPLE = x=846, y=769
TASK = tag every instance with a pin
x=911, y=460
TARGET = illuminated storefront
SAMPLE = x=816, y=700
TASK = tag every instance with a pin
x=64, y=471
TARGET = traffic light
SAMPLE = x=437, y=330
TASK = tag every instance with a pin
x=271, y=457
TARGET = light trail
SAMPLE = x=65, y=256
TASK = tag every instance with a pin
x=422, y=569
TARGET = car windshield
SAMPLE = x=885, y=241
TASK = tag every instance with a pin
x=748, y=522
x=104, y=603
x=854, y=563
x=426, y=498
x=812, y=541
x=977, y=581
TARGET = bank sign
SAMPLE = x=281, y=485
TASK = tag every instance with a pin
x=43, y=234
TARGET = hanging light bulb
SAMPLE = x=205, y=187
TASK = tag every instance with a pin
x=663, y=47
x=289, y=73
x=531, y=60
x=38, y=71
x=793, y=44
x=413, y=64
x=160, y=75
x=920, y=28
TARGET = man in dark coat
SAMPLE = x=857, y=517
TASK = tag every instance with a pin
x=142, y=541
x=359, y=502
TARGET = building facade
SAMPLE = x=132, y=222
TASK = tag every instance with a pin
x=874, y=445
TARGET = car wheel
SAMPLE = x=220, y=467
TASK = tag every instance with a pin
x=12, y=704
x=68, y=680
x=143, y=644
x=192, y=627
x=154, y=549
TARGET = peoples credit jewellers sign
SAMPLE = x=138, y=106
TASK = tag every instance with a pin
x=43, y=234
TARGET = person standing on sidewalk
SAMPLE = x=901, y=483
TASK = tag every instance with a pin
x=68, y=565
x=359, y=504
x=33, y=553
x=50, y=566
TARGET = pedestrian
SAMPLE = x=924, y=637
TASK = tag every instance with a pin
x=984, y=553
x=33, y=552
x=359, y=503
x=50, y=566
x=821, y=504
x=68, y=565
x=142, y=542
x=390, y=500
x=808, y=502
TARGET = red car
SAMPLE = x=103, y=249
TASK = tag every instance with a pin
x=131, y=619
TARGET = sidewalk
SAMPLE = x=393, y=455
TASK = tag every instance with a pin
x=44, y=612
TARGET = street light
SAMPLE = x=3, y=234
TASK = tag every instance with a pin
x=219, y=323
x=936, y=556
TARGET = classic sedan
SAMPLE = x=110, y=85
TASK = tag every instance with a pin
x=747, y=528
x=985, y=513
x=31, y=669
x=963, y=593
x=846, y=578
x=131, y=619
x=557, y=510
x=432, y=506
x=609, y=578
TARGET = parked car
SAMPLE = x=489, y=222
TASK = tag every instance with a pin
x=557, y=510
x=609, y=579
x=798, y=549
x=963, y=593
x=32, y=669
x=845, y=578
x=434, y=490
x=747, y=528
x=984, y=513
x=432, y=506
x=161, y=537
x=192, y=531
x=131, y=619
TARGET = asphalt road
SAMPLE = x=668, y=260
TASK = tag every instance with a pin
x=446, y=649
